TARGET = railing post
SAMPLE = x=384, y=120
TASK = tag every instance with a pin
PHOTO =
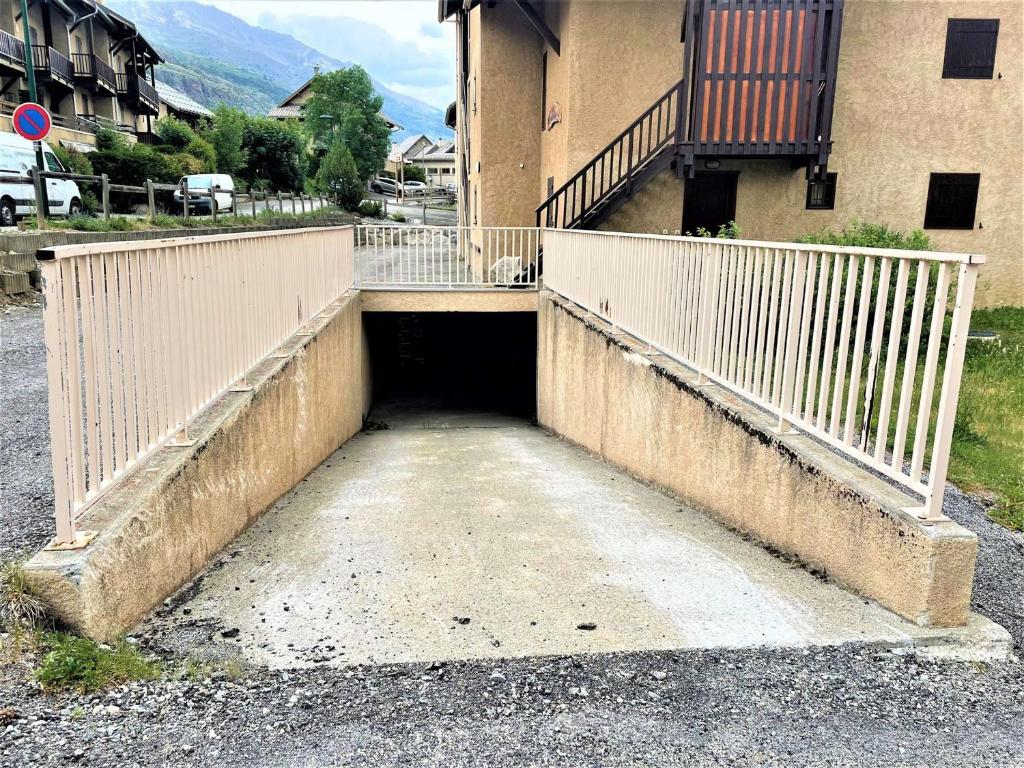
x=789, y=360
x=105, y=194
x=293, y=202
x=252, y=197
x=150, y=199
x=184, y=200
x=950, y=396
x=280, y=204
x=37, y=187
x=234, y=204
x=213, y=205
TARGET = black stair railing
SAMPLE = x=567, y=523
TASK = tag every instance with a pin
x=613, y=168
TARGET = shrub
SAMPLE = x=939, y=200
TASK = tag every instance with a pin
x=275, y=154
x=106, y=139
x=174, y=132
x=730, y=231
x=339, y=177
x=414, y=173
x=399, y=217
x=79, y=663
x=203, y=151
x=864, y=235
x=371, y=208
x=77, y=162
x=225, y=134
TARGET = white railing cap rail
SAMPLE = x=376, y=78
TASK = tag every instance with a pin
x=890, y=253
x=54, y=252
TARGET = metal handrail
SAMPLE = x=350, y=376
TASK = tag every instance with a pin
x=824, y=338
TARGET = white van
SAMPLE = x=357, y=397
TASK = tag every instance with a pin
x=221, y=183
x=17, y=198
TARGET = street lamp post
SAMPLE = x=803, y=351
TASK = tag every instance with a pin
x=30, y=75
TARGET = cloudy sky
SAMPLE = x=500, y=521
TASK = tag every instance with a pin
x=398, y=41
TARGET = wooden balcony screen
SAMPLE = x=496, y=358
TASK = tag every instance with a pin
x=763, y=76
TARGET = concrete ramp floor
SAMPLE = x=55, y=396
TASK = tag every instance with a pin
x=454, y=537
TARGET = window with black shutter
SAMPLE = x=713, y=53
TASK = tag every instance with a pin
x=970, y=48
x=821, y=193
x=952, y=200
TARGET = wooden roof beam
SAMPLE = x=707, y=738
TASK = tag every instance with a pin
x=537, y=22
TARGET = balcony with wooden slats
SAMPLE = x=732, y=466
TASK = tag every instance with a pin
x=91, y=70
x=760, y=79
x=52, y=67
x=12, y=54
x=139, y=92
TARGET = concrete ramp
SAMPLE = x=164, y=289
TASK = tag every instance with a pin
x=450, y=536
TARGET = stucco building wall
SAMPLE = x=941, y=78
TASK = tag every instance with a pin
x=896, y=121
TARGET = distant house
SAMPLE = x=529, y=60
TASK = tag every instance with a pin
x=293, y=108
x=436, y=158
x=175, y=103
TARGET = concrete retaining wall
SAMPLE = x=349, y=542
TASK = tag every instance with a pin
x=645, y=414
x=163, y=524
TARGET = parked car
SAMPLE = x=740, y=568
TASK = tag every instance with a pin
x=221, y=183
x=384, y=185
x=17, y=198
x=414, y=188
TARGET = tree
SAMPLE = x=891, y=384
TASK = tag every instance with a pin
x=226, y=134
x=347, y=95
x=275, y=154
x=415, y=173
x=338, y=176
x=174, y=132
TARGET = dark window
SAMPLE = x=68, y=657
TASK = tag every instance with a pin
x=544, y=93
x=970, y=48
x=821, y=193
x=952, y=200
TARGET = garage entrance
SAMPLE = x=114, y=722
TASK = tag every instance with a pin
x=457, y=364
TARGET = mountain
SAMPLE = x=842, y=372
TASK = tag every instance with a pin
x=215, y=57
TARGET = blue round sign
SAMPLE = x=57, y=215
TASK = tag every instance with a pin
x=31, y=121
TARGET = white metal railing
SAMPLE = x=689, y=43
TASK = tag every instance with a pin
x=141, y=336
x=850, y=345
x=425, y=258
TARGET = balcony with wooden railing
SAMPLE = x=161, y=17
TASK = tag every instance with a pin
x=53, y=66
x=760, y=79
x=12, y=53
x=91, y=69
x=138, y=92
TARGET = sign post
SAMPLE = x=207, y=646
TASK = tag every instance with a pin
x=30, y=75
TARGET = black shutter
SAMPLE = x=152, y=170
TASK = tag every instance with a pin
x=970, y=48
x=952, y=200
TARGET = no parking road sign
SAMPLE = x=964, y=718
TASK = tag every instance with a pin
x=32, y=121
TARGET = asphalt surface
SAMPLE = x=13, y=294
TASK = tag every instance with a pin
x=844, y=706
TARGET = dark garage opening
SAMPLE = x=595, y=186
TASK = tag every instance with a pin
x=458, y=362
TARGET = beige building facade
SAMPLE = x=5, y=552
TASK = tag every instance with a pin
x=917, y=122
x=92, y=69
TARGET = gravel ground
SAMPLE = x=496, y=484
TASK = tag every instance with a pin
x=846, y=706
x=26, y=482
x=839, y=707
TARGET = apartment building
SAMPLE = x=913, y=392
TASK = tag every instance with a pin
x=92, y=68
x=795, y=115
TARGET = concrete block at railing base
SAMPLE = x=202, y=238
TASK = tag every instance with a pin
x=161, y=525
x=723, y=456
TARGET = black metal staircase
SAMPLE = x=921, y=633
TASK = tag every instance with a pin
x=614, y=174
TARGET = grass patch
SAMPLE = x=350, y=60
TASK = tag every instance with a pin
x=988, y=445
x=19, y=608
x=78, y=663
